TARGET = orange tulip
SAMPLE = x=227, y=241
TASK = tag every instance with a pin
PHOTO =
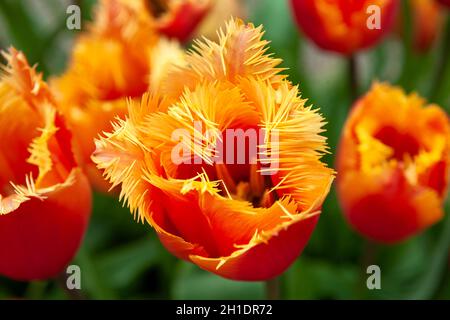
x=393, y=164
x=117, y=59
x=345, y=26
x=245, y=220
x=428, y=21
x=45, y=200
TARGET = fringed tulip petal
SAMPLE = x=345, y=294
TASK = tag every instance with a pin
x=45, y=200
x=257, y=261
x=240, y=52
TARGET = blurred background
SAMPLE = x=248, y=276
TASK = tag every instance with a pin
x=122, y=259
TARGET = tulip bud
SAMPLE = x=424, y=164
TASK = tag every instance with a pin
x=345, y=26
x=393, y=164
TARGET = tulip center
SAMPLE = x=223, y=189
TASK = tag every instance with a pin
x=402, y=143
x=254, y=188
x=236, y=161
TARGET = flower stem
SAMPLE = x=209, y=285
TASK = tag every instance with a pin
x=368, y=258
x=443, y=61
x=273, y=289
x=353, y=77
x=61, y=281
x=35, y=290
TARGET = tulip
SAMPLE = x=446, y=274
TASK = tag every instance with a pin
x=45, y=200
x=393, y=163
x=179, y=19
x=119, y=56
x=345, y=26
x=245, y=220
x=427, y=23
x=445, y=2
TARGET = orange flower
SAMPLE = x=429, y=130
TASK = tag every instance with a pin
x=428, y=22
x=116, y=59
x=342, y=25
x=45, y=200
x=245, y=220
x=393, y=164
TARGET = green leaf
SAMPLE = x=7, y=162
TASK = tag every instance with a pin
x=311, y=278
x=125, y=264
x=93, y=282
x=431, y=279
x=192, y=283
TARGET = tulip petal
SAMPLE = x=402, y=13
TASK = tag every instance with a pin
x=240, y=52
x=41, y=234
x=262, y=260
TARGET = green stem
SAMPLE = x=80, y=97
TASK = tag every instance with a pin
x=431, y=280
x=442, y=63
x=61, y=281
x=353, y=77
x=35, y=290
x=273, y=289
x=368, y=258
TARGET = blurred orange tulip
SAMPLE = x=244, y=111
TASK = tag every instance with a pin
x=45, y=200
x=242, y=221
x=345, y=26
x=221, y=11
x=428, y=21
x=117, y=59
x=393, y=164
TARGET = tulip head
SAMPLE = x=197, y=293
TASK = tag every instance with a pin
x=45, y=200
x=428, y=20
x=244, y=219
x=179, y=19
x=345, y=26
x=393, y=164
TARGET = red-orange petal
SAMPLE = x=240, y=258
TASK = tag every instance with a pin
x=45, y=200
x=264, y=260
x=41, y=237
x=182, y=18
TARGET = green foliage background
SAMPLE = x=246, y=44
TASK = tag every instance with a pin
x=120, y=258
